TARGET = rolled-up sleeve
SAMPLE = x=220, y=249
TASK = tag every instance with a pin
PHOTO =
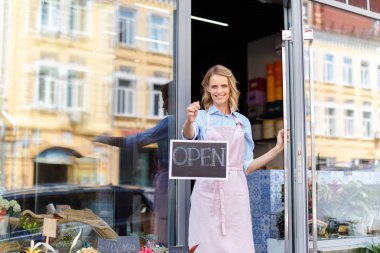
x=196, y=131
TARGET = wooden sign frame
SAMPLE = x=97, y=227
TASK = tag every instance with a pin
x=206, y=158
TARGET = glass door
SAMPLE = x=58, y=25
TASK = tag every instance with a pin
x=86, y=121
x=342, y=94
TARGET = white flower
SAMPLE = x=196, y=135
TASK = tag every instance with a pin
x=4, y=204
x=16, y=208
x=11, y=206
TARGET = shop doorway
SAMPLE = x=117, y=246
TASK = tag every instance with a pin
x=250, y=42
x=211, y=44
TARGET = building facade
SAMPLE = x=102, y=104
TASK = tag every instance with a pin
x=93, y=91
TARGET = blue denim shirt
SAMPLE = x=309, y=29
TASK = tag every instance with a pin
x=217, y=118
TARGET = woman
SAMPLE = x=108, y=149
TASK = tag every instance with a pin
x=220, y=218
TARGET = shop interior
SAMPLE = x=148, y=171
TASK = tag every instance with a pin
x=248, y=45
x=249, y=42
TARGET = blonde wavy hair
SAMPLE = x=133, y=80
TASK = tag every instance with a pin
x=233, y=100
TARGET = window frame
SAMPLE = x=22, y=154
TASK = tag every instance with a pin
x=116, y=101
x=351, y=119
x=367, y=122
x=83, y=17
x=365, y=78
x=330, y=129
x=52, y=17
x=328, y=67
x=78, y=96
x=158, y=44
x=133, y=30
x=347, y=74
x=45, y=102
x=152, y=93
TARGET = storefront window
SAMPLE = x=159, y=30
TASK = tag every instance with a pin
x=85, y=123
x=346, y=174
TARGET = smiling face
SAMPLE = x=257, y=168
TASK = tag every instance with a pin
x=219, y=90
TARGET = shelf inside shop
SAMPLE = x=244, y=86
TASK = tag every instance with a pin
x=265, y=140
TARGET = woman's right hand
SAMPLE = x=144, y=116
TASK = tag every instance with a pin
x=192, y=111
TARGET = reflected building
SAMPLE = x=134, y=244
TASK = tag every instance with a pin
x=72, y=70
x=346, y=70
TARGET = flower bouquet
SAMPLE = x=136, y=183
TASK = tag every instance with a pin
x=7, y=209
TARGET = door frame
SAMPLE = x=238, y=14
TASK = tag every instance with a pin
x=297, y=240
x=182, y=77
x=296, y=216
x=298, y=199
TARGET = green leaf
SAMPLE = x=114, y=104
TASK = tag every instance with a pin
x=75, y=241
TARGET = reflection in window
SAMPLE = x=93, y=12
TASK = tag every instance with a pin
x=157, y=102
x=158, y=32
x=47, y=87
x=49, y=15
x=329, y=68
x=305, y=12
x=358, y=3
x=306, y=60
x=74, y=90
x=77, y=16
x=127, y=23
x=375, y=5
x=367, y=123
x=364, y=74
x=330, y=120
x=349, y=122
x=347, y=70
x=124, y=97
x=325, y=162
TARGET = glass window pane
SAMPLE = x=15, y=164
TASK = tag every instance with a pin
x=358, y=3
x=127, y=23
x=347, y=180
x=375, y=6
x=77, y=134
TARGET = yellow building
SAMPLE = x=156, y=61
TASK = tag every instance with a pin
x=346, y=73
x=72, y=70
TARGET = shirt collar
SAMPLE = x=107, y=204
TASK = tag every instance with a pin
x=213, y=110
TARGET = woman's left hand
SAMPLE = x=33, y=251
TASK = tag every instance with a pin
x=280, y=140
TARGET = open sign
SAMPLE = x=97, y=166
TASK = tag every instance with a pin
x=191, y=159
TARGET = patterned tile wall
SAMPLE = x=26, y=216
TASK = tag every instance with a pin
x=266, y=205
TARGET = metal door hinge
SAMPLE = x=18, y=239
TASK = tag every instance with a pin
x=308, y=34
x=286, y=35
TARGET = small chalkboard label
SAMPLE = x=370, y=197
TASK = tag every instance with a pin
x=106, y=245
x=178, y=249
x=198, y=159
x=128, y=244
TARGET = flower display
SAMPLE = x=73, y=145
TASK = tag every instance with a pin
x=9, y=207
